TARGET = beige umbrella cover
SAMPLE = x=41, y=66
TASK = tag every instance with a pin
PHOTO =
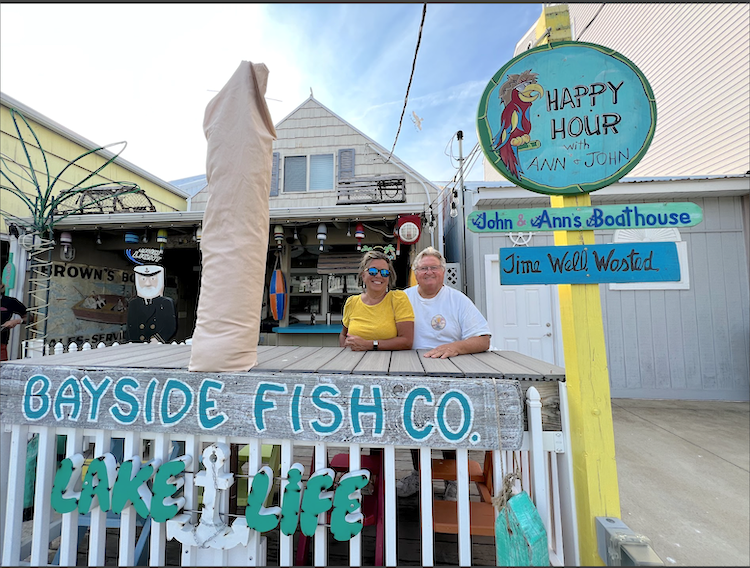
x=234, y=244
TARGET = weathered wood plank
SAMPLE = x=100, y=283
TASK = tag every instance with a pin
x=550, y=396
x=271, y=352
x=142, y=357
x=405, y=363
x=284, y=359
x=168, y=356
x=508, y=368
x=378, y=410
x=470, y=366
x=373, y=363
x=344, y=362
x=549, y=370
x=176, y=360
x=74, y=357
x=438, y=367
x=313, y=361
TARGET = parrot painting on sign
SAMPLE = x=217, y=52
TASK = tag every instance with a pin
x=517, y=93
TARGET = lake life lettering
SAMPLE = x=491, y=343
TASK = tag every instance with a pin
x=641, y=216
x=108, y=485
x=590, y=264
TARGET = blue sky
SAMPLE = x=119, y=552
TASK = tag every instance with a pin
x=145, y=72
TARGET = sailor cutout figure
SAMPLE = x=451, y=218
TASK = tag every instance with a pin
x=151, y=315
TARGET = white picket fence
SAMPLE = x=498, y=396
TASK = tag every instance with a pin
x=544, y=461
x=37, y=348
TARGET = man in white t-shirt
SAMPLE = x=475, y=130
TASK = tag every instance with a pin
x=448, y=324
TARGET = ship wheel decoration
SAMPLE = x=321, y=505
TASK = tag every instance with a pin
x=520, y=239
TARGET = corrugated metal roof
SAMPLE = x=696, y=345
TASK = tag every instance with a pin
x=191, y=185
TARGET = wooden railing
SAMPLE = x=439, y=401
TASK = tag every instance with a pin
x=542, y=459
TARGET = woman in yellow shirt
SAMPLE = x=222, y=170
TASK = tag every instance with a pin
x=379, y=318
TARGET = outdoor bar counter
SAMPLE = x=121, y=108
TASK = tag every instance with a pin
x=291, y=399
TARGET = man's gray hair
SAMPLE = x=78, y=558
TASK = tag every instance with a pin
x=429, y=251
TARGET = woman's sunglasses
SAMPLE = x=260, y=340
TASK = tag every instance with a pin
x=384, y=272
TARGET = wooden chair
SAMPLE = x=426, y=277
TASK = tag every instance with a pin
x=373, y=506
x=482, y=513
x=270, y=455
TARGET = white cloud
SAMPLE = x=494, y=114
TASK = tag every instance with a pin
x=145, y=72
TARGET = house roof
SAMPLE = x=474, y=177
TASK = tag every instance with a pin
x=395, y=159
x=501, y=193
x=50, y=124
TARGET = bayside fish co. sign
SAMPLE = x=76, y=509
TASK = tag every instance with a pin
x=112, y=486
x=632, y=216
x=378, y=410
x=590, y=264
x=566, y=118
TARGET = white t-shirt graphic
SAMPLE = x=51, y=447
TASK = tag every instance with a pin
x=449, y=316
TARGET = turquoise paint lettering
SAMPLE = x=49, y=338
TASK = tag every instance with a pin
x=347, y=519
x=467, y=417
x=335, y=410
x=149, y=404
x=64, y=499
x=123, y=396
x=262, y=405
x=130, y=487
x=357, y=409
x=96, y=393
x=294, y=409
x=187, y=402
x=258, y=517
x=163, y=505
x=97, y=494
x=40, y=396
x=408, y=416
x=316, y=500
x=206, y=404
x=73, y=399
x=292, y=498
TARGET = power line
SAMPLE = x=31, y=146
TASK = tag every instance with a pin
x=413, y=65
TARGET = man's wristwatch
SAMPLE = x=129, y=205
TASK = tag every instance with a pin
x=375, y=345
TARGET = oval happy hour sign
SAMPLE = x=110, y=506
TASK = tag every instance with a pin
x=566, y=118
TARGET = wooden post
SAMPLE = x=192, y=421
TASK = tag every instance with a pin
x=587, y=375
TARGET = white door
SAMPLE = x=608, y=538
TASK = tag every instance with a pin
x=521, y=317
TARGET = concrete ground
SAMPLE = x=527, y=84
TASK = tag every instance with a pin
x=684, y=476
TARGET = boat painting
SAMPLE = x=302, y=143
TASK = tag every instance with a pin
x=103, y=308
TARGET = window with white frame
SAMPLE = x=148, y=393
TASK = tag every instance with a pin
x=295, y=173
x=320, y=168
x=667, y=234
x=321, y=172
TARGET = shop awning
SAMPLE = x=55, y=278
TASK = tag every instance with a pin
x=339, y=263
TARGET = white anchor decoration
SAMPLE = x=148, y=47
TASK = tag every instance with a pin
x=211, y=531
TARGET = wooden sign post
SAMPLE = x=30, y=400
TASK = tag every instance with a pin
x=565, y=119
x=592, y=437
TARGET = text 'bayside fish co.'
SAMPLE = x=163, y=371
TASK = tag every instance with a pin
x=379, y=410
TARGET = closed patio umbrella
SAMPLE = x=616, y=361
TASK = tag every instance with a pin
x=234, y=243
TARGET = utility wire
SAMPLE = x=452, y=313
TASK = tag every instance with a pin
x=413, y=65
x=470, y=160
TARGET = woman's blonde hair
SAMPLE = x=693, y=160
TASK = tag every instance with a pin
x=364, y=264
